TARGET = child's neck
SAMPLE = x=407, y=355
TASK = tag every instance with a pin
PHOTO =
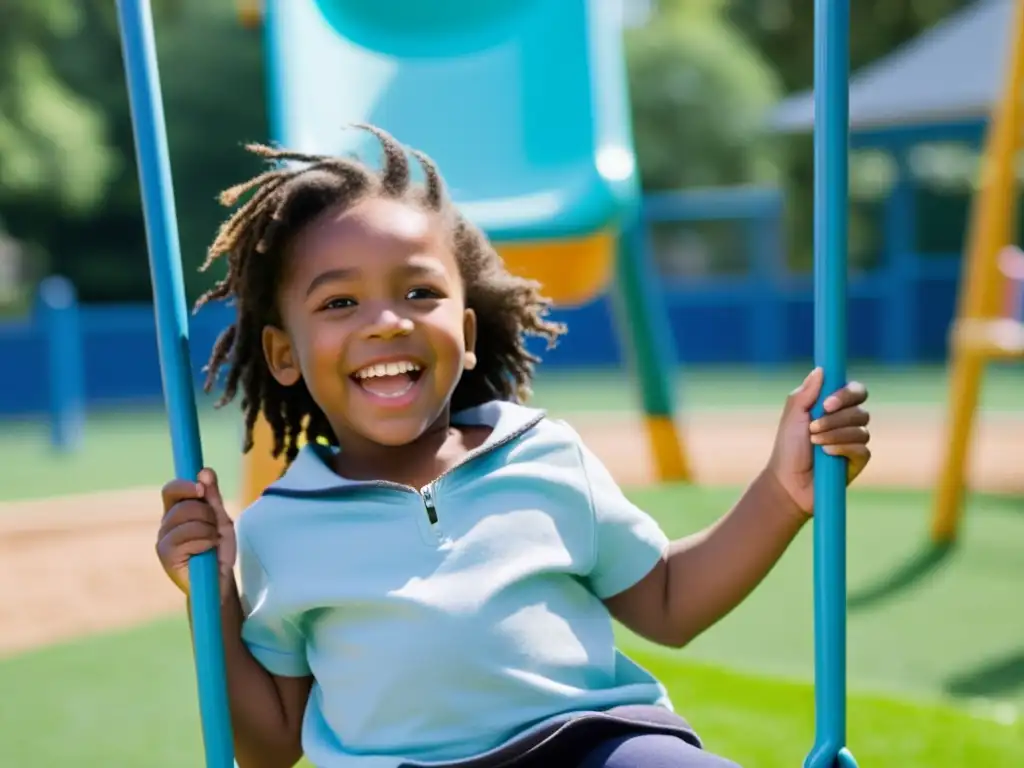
x=416, y=464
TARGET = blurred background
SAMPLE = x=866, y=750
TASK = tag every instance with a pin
x=704, y=79
x=92, y=638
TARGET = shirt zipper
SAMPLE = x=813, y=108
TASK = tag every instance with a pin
x=428, y=501
x=427, y=491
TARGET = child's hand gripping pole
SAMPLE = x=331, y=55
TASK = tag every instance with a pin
x=831, y=134
x=139, y=52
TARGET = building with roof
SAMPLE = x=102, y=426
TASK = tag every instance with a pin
x=939, y=87
x=942, y=84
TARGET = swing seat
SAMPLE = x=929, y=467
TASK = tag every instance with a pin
x=522, y=103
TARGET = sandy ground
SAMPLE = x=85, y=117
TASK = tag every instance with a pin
x=84, y=564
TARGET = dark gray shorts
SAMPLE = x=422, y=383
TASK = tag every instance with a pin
x=567, y=743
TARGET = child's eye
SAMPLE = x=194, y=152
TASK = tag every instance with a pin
x=423, y=293
x=341, y=302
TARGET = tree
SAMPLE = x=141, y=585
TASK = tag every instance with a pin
x=699, y=93
x=52, y=139
x=782, y=31
x=212, y=83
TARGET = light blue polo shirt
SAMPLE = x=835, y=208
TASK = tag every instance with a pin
x=436, y=641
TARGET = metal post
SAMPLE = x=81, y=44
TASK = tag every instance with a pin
x=831, y=196
x=139, y=49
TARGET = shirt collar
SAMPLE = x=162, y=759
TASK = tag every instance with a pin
x=311, y=472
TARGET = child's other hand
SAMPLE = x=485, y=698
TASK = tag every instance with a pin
x=842, y=431
x=194, y=522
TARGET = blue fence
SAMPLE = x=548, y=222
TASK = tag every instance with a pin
x=762, y=316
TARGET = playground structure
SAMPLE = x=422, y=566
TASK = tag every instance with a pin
x=58, y=306
x=76, y=543
x=760, y=317
x=604, y=183
x=989, y=323
x=82, y=541
x=524, y=106
x=962, y=81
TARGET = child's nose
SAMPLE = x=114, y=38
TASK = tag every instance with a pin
x=387, y=323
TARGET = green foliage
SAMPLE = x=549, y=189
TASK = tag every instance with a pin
x=702, y=77
x=212, y=83
x=782, y=32
x=215, y=96
x=52, y=142
x=699, y=95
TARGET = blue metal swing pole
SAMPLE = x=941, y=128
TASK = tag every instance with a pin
x=831, y=194
x=139, y=50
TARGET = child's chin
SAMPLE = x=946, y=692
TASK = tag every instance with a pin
x=395, y=432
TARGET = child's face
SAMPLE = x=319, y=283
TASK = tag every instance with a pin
x=375, y=321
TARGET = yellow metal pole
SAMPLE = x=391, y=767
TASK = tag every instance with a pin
x=992, y=227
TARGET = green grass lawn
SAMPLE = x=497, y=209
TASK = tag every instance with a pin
x=936, y=657
x=936, y=649
x=128, y=700
x=921, y=623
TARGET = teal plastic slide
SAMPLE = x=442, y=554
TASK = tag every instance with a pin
x=522, y=103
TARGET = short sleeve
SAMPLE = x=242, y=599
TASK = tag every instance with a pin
x=627, y=541
x=268, y=631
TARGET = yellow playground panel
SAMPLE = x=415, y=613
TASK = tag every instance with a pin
x=572, y=271
x=989, y=324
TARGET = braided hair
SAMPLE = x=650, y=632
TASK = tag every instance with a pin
x=255, y=240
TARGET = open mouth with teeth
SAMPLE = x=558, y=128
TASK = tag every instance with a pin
x=389, y=380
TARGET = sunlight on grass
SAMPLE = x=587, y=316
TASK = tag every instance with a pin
x=128, y=700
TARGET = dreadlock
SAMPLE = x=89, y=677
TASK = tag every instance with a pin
x=255, y=239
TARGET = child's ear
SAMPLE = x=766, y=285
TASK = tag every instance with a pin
x=469, y=333
x=277, y=349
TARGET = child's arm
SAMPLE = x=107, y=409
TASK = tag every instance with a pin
x=697, y=580
x=704, y=576
x=266, y=709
